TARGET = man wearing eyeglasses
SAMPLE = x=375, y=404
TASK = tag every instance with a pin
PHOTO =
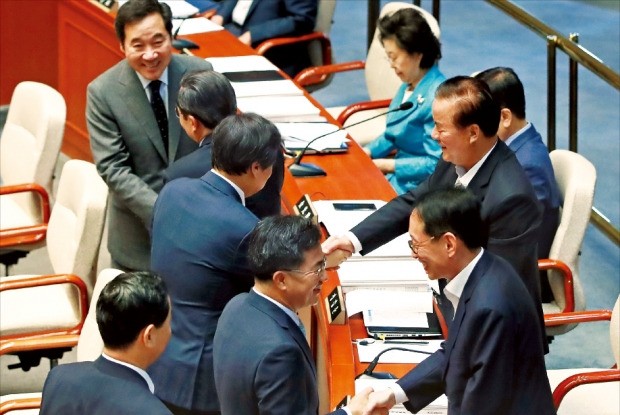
x=262, y=361
x=200, y=228
x=493, y=360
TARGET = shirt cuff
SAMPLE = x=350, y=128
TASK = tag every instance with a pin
x=357, y=245
x=399, y=393
x=347, y=410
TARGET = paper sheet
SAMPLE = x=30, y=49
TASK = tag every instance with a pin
x=241, y=63
x=298, y=134
x=438, y=407
x=398, y=302
x=194, y=25
x=264, y=88
x=368, y=352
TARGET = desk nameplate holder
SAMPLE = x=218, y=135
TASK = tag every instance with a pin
x=334, y=305
x=305, y=208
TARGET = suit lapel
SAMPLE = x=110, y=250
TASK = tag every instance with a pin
x=139, y=106
x=285, y=322
x=175, y=73
x=483, y=176
x=461, y=310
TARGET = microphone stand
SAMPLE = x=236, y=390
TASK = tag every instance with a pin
x=299, y=169
x=385, y=375
x=181, y=44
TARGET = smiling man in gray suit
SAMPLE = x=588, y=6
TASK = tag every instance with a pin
x=130, y=144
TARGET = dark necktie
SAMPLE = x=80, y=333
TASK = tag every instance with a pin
x=445, y=305
x=159, y=109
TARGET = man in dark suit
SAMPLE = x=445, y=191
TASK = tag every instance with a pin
x=206, y=98
x=199, y=249
x=493, y=359
x=133, y=315
x=466, y=122
x=262, y=361
x=129, y=145
x=259, y=20
x=533, y=155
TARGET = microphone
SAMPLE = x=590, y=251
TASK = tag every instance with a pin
x=385, y=375
x=180, y=44
x=308, y=170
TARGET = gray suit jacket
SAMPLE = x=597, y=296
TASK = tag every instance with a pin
x=129, y=152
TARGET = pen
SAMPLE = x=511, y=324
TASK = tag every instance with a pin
x=404, y=342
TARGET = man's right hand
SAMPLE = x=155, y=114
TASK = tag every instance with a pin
x=337, y=242
x=217, y=19
x=380, y=402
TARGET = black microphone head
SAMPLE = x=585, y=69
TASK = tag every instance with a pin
x=405, y=105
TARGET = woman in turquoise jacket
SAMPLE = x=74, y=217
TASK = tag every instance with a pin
x=413, y=51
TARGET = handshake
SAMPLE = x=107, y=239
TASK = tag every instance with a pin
x=368, y=402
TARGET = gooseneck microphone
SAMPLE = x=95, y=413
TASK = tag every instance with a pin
x=384, y=375
x=180, y=44
x=308, y=170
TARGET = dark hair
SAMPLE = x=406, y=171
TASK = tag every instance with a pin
x=242, y=139
x=475, y=104
x=208, y=96
x=128, y=304
x=506, y=88
x=456, y=210
x=135, y=10
x=279, y=243
x=411, y=33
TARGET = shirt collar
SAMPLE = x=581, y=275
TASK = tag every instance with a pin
x=454, y=289
x=517, y=134
x=145, y=82
x=140, y=371
x=282, y=307
x=465, y=177
x=237, y=188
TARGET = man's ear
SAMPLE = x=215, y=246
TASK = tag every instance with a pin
x=147, y=336
x=450, y=243
x=474, y=133
x=193, y=121
x=122, y=47
x=505, y=117
x=279, y=280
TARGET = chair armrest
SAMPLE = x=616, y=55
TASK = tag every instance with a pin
x=265, y=45
x=362, y=106
x=31, y=187
x=27, y=235
x=45, y=280
x=571, y=382
x=310, y=75
x=569, y=293
x=39, y=343
x=18, y=404
x=559, y=319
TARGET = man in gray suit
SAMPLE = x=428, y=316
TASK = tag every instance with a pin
x=130, y=144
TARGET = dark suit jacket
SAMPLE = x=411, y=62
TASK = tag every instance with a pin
x=129, y=152
x=533, y=155
x=199, y=249
x=267, y=19
x=101, y=387
x=262, y=361
x=509, y=208
x=492, y=361
x=267, y=202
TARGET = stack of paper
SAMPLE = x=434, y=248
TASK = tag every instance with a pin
x=281, y=108
x=297, y=135
x=194, y=25
x=393, y=272
x=337, y=222
x=257, y=65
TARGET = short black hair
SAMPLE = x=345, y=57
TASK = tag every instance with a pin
x=411, y=32
x=279, y=243
x=135, y=10
x=506, y=88
x=456, y=210
x=242, y=139
x=474, y=101
x=208, y=96
x=128, y=304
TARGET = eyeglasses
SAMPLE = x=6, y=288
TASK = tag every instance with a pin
x=178, y=111
x=317, y=272
x=415, y=246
